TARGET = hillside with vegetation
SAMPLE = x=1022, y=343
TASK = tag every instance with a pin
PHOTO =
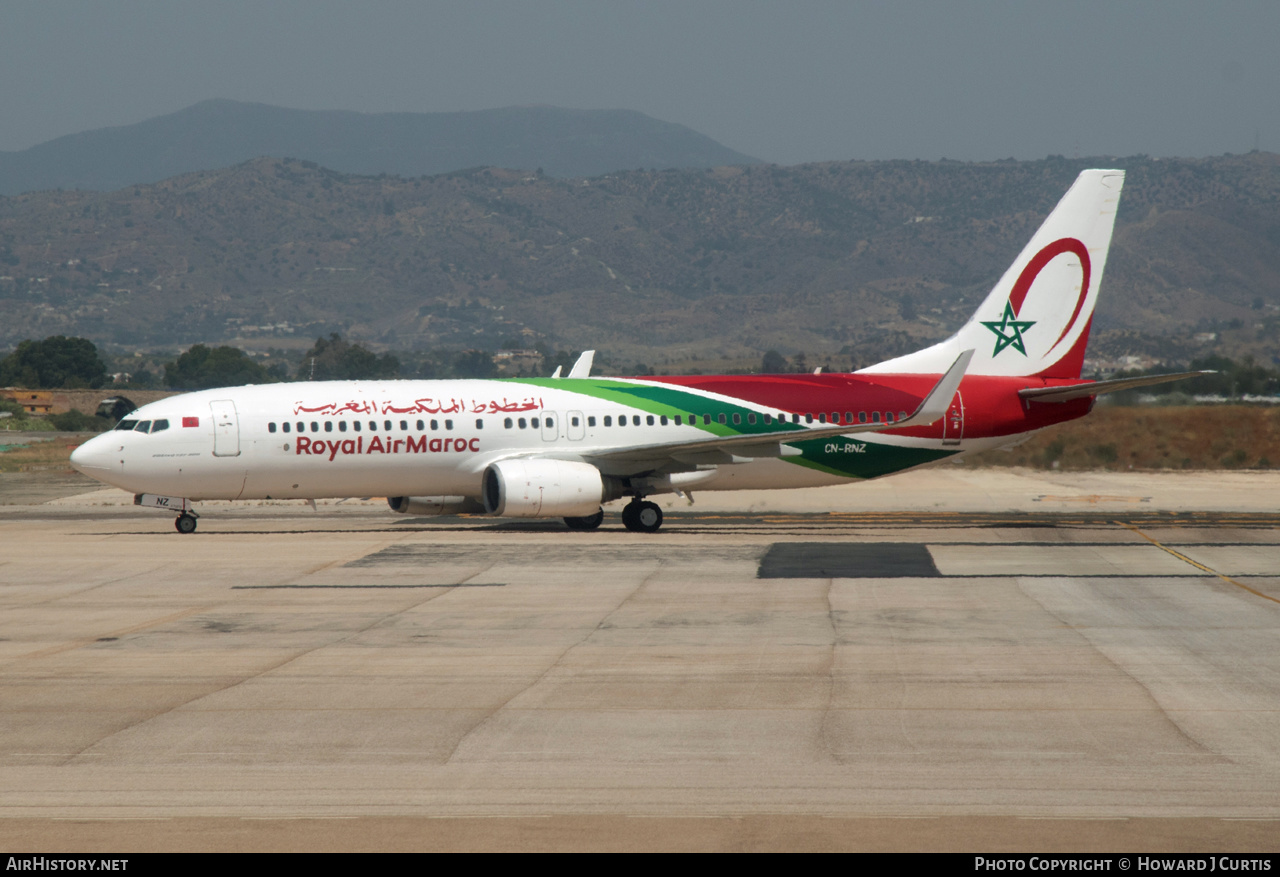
x=847, y=262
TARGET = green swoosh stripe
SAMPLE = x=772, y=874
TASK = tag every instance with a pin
x=664, y=399
x=874, y=459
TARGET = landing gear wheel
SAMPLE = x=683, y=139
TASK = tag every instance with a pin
x=642, y=516
x=185, y=524
x=590, y=522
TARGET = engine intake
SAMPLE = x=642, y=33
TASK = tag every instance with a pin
x=540, y=488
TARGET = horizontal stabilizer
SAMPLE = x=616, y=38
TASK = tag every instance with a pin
x=1097, y=388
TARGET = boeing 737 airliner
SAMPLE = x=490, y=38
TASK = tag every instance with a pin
x=562, y=446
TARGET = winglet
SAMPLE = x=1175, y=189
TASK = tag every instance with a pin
x=582, y=368
x=935, y=405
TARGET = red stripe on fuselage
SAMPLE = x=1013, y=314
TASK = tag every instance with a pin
x=992, y=407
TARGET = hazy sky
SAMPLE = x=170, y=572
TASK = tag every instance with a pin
x=786, y=82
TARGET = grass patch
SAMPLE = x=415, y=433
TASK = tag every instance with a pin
x=39, y=455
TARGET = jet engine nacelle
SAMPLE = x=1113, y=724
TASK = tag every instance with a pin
x=539, y=488
x=435, y=505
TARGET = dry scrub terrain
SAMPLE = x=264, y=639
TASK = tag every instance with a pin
x=1181, y=437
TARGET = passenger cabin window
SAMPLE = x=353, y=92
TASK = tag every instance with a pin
x=678, y=421
x=635, y=420
x=808, y=418
x=902, y=415
x=649, y=420
x=285, y=426
x=373, y=426
x=302, y=427
x=342, y=426
x=271, y=427
x=548, y=422
x=751, y=418
x=848, y=417
x=591, y=420
x=315, y=427
x=721, y=418
x=386, y=424
x=448, y=424
x=420, y=426
x=355, y=424
x=404, y=424
x=577, y=421
x=622, y=421
x=706, y=420
x=737, y=419
x=328, y=426
x=435, y=425
x=822, y=418
x=508, y=423
x=479, y=423
x=875, y=416
x=862, y=417
x=663, y=420
x=524, y=423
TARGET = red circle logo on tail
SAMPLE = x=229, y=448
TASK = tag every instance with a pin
x=1036, y=265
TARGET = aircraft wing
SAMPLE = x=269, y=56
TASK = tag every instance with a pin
x=740, y=448
x=1097, y=388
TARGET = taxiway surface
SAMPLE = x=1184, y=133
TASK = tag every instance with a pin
x=998, y=661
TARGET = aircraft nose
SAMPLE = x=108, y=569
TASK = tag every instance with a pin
x=93, y=456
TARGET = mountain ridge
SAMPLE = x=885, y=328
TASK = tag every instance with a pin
x=219, y=133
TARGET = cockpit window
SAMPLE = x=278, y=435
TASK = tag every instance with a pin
x=126, y=424
x=159, y=425
x=143, y=426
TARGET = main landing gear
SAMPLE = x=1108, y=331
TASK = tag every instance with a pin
x=590, y=522
x=186, y=523
x=642, y=516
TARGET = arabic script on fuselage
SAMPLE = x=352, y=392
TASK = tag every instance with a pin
x=427, y=405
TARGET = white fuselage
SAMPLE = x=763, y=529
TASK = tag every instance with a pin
x=392, y=438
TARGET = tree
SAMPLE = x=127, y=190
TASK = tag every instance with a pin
x=773, y=364
x=474, y=364
x=333, y=359
x=202, y=368
x=57, y=361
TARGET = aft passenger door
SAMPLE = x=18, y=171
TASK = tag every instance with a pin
x=575, y=428
x=953, y=423
x=226, y=429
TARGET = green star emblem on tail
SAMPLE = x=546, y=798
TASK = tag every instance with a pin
x=1009, y=331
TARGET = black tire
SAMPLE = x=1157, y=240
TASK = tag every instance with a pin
x=185, y=524
x=590, y=522
x=642, y=517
